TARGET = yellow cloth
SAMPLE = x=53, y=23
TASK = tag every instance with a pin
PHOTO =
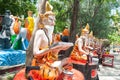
x=48, y=59
x=46, y=71
x=65, y=32
x=76, y=54
x=31, y=24
x=57, y=38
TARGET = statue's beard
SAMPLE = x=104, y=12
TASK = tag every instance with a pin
x=50, y=30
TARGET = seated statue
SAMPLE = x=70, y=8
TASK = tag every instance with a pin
x=81, y=47
x=44, y=56
x=45, y=64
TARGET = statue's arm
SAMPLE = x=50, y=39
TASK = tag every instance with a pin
x=37, y=43
x=80, y=47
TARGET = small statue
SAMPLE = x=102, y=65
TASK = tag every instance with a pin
x=29, y=24
x=6, y=23
x=81, y=48
x=20, y=32
x=5, y=33
x=65, y=35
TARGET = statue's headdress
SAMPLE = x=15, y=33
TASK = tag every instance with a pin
x=48, y=9
x=86, y=29
x=91, y=34
x=7, y=12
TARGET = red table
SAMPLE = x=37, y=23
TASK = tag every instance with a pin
x=107, y=60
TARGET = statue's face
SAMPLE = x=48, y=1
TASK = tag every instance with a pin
x=51, y=20
x=85, y=33
x=48, y=19
x=30, y=13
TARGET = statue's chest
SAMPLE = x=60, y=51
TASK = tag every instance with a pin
x=45, y=41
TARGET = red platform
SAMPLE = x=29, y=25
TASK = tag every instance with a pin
x=108, y=60
x=89, y=71
x=21, y=75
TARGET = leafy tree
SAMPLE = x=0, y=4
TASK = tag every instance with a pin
x=95, y=12
x=114, y=36
x=74, y=18
x=17, y=7
x=62, y=9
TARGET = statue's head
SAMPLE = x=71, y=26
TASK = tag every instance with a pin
x=7, y=12
x=48, y=18
x=30, y=13
x=91, y=34
x=85, y=31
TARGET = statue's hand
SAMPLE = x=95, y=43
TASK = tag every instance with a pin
x=91, y=54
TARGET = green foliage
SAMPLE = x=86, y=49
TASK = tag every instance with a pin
x=106, y=43
x=95, y=12
x=17, y=7
x=62, y=9
x=115, y=38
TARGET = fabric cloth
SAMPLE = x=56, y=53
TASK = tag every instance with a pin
x=76, y=55
x=9, y=57
x=49, y=58
x=45, y=62
x=29, y=24
x=65, y=32
x=18, y=45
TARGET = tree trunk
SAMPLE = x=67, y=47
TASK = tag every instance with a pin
x=29, y=51
x=73, y=26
